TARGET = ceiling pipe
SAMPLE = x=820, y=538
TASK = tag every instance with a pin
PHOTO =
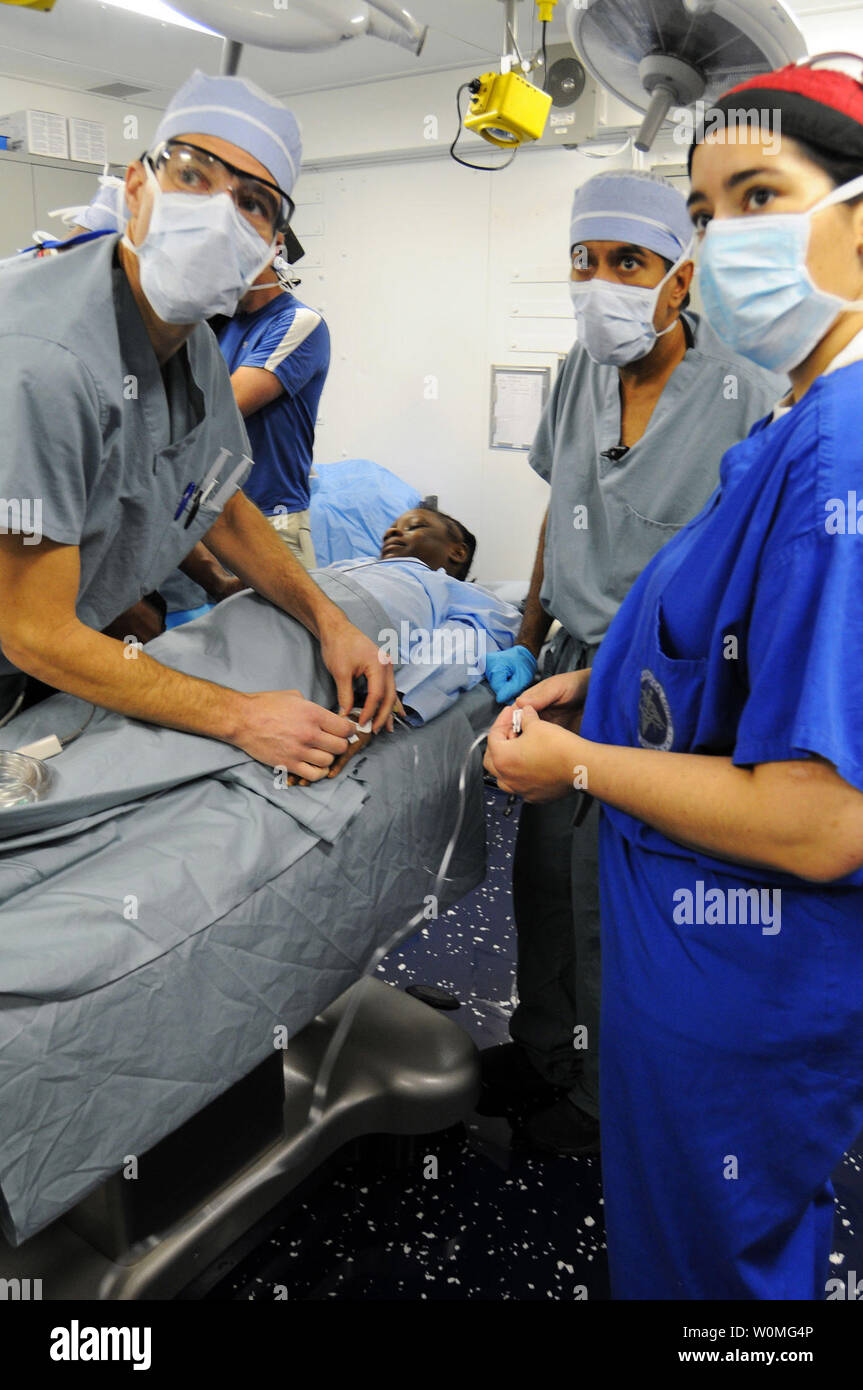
x=231, y=54
x=403, y=29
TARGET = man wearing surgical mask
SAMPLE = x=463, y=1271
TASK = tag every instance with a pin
x=120, y=420
x=643, y=409
x=278, y=353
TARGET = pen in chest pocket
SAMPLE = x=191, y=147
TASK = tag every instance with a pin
x=194, y=495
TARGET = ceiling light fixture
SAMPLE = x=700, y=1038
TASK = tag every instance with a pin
x=155, y=9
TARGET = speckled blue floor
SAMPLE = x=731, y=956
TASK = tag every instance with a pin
x=494, y=1223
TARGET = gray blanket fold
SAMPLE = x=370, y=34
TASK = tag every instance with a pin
x=168, y=905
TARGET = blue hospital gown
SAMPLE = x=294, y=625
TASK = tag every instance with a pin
x=444, y=631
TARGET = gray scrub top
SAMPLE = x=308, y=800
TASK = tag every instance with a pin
x=632, y=506
x=99, y=436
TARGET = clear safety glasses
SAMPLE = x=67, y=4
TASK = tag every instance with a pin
x=189, y=169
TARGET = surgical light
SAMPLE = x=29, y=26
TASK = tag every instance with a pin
x=156, y=9
x=307, y=26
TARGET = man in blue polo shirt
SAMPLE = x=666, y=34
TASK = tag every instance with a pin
x=278, y=353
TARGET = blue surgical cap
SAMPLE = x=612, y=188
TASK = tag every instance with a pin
x=637, y=207
x=236, y=110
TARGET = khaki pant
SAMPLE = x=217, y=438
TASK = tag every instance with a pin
x=295, y=530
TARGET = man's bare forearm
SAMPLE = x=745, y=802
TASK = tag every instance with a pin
x=535, y=622
x=246, y=543
x=121, y=677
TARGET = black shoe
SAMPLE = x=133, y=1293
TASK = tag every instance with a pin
x=510, y=1081
x=562, y=1129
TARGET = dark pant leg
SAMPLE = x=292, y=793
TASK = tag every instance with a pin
x=585, y=916
x=556, y=901
x=556, y=906
x=542, y=900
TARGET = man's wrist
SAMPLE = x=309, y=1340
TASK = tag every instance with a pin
x=232, y=713
x=330, y=622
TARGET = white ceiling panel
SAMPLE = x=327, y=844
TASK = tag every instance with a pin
x=82, y=44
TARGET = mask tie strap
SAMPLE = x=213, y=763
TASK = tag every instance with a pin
x=687, y=255
x=842, y=195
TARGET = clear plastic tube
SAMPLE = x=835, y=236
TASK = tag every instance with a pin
x=22, y=779
x=317, y=1105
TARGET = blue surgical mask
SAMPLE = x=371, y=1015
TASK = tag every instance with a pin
x=615, y=322
x=756, y=286
x=199, y=256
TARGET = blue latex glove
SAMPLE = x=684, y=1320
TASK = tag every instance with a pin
x=509, y=673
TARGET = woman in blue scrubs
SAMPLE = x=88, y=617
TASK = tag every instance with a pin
x=723, y=735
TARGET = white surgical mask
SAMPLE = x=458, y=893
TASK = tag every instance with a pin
x=615, y=322
x=199, y=256
x=757, y=289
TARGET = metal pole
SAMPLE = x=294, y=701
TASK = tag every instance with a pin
x=661, y=101
x=510, y=32
x=231, y=53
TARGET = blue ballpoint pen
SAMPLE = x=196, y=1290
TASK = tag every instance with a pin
x=184, y=501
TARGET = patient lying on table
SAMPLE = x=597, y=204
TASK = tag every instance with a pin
x=413, y=602
x=445, y=626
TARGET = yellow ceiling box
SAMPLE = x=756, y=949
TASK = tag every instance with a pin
x=506, y=109
x=31, y=4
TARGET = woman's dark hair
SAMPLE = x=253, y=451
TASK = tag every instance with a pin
x=838, y=168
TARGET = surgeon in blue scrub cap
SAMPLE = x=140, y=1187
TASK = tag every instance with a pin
x=137, y=451
x=219, y=135
x=630, y=444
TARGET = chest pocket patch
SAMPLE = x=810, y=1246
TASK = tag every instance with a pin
x=655, y=725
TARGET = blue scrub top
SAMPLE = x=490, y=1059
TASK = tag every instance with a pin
x=744, y=636
x=292, y=341
x=732, y=1015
